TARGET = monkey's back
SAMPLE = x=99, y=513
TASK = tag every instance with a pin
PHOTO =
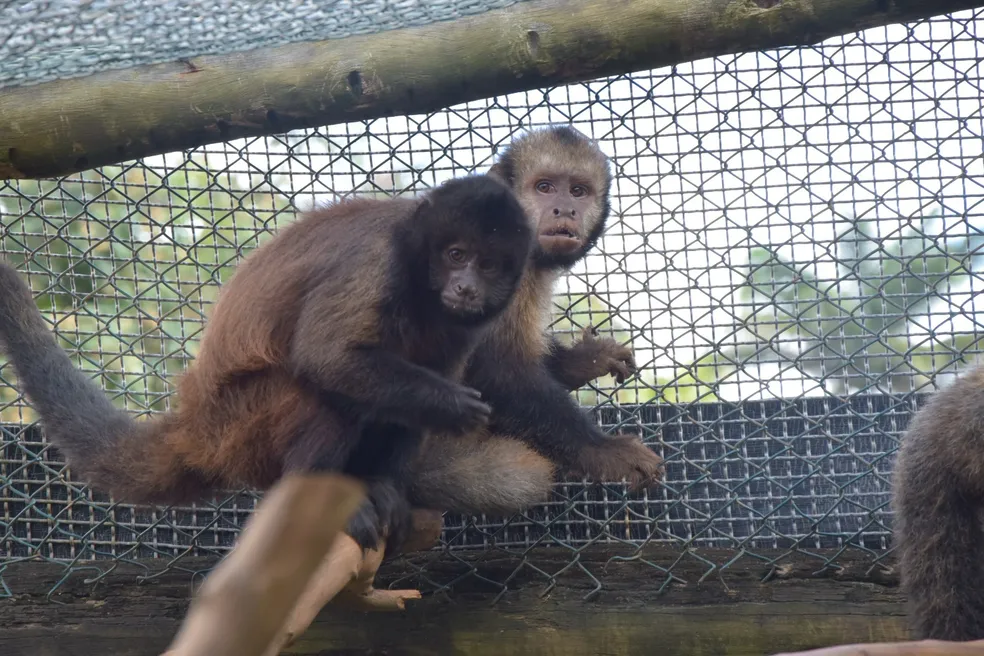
x=938, y=494
x=241, y=405
x=946, y=437
x=344, y=248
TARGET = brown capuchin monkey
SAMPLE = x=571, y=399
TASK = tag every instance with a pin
x=563, y=181
x=938, y=499
x=332, y=348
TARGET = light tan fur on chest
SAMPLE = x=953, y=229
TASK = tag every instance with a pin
x=523, y=326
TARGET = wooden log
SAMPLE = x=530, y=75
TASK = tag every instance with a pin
x=70, y=125
x=248, y=597
x=347, y=577
x=920, y=648
x=747, y=608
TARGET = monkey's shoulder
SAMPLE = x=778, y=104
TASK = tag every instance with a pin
x=952, y=420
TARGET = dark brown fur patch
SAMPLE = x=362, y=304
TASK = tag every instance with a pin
x=938, y=498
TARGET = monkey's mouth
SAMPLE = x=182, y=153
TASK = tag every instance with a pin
x=560, y=238
x=463, y=308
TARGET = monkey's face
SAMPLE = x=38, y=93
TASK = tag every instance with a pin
x=565, y=210
x=475, y=282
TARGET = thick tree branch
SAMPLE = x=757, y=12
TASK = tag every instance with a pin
x=68, y=125
x=921, y=648
x=246, y=600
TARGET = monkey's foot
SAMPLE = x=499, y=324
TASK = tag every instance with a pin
x=621, y=456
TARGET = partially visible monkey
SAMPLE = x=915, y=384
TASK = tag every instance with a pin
x=331, y=348
x=563, y=181
x=938, y=499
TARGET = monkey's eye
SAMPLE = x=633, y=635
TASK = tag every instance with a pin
x=486, y=265
x=544, y=186
x=456, y=255
x=577, y=191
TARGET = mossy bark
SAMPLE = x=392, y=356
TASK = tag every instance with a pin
x=69, y=125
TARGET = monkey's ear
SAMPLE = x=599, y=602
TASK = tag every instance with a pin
x=498, y=171
x=422, y=214
x=426, y=205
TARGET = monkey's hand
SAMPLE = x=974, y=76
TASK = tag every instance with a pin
x=462, y=412
x=591, y=358
x=605, y=354
x=620, y=456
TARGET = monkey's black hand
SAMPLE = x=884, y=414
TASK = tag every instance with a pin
x=463, y=412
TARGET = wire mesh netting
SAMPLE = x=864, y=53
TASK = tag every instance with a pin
x=794, y=258
x=44, y=40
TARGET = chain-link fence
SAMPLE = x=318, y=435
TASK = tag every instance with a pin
x=795, y=260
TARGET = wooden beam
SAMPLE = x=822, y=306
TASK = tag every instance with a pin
x=247, y=599
x=69, y=125
x=732, y=611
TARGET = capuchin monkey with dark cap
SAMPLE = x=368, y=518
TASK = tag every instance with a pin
x=334, y=347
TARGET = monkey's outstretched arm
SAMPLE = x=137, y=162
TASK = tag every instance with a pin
x=533, y=406
x=385, y=386
x=577, y=365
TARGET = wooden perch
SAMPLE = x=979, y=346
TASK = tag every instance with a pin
x=69, y=125
x=346, y=577
x=247, y=598
x=921, y=648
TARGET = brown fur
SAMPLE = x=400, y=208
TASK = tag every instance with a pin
x=505, y=475
x=350, y=323
x=938, y=501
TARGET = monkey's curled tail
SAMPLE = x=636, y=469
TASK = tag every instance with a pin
x=495, y=476
x=938, y=485
x=102, y=444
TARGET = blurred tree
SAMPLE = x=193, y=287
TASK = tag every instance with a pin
x=859, y=318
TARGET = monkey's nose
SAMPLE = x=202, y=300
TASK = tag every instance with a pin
x=465, y=291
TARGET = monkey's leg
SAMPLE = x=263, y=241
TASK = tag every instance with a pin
x=383, y=459
x=531, y=405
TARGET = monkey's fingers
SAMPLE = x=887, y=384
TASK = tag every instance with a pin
x=645, y=479
x=472, y=392
x=342, y=565
x=589, y=333
x=477, y=415
x=626, y=355
x=619, y=370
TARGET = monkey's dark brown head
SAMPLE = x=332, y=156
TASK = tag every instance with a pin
x=562, y=180
x=478, y=243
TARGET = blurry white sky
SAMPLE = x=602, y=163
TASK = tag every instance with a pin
x=713, y=159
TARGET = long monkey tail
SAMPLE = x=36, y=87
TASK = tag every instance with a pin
x=103, y=445
x=495, y=475
x=938, y=500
